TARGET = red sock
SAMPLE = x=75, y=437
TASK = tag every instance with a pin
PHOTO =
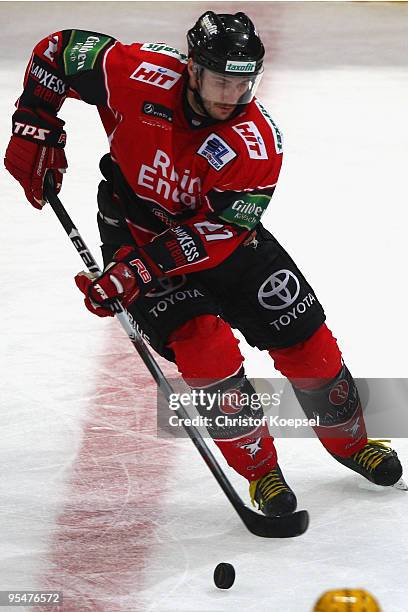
x=206, y=353
x=314, y=368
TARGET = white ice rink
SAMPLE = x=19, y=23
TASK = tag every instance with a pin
x=91, y=502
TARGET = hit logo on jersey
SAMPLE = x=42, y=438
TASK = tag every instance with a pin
x=155, y=75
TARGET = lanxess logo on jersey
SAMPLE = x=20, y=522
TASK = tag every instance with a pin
x=47, y=79
x=155, y=75
x=216, y=151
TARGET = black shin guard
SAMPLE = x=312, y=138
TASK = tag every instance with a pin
x=338, y=409
x=233, y=413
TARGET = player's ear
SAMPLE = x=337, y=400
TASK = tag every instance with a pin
x=191, y=73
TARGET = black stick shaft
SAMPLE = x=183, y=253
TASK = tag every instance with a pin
x=142, y=349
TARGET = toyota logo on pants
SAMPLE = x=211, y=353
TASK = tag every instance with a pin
x=279, y=290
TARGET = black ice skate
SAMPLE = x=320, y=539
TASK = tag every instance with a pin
x=376, y=462
x=272, y=494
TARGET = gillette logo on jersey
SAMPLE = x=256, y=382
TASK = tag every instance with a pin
x=155, y=75
x=162, y=179
x=253, y=139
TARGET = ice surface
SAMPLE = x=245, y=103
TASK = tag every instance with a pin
x=91, y=502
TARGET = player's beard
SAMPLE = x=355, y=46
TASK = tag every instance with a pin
x=218, y=110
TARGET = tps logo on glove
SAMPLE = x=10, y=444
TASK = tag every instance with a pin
x=24, y=129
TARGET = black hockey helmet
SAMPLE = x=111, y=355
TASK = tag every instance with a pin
x=227, y=56
x=228, y=44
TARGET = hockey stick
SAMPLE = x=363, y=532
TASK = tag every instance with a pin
x=269, y=527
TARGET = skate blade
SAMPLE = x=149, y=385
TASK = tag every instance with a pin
x=401, y=485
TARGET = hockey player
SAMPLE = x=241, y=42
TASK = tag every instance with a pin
x=194, y=160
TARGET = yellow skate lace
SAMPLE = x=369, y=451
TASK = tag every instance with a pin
x=372, y=454
x=270, y=485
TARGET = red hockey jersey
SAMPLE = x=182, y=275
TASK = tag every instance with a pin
x=207, y=184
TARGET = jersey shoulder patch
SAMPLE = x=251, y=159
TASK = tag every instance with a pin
x=153, y=47
x=155, y=64
x=82, y=50
x=276, y=133
x=153, y=74
x=252, y=137
x=216, y=151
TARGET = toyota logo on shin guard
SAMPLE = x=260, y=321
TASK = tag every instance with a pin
x=279, y=290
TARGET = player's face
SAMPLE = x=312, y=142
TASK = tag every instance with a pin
x=221, y=94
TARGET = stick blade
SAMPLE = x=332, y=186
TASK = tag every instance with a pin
x=288, y=526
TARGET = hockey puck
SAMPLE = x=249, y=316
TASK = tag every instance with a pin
x=224, y=575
